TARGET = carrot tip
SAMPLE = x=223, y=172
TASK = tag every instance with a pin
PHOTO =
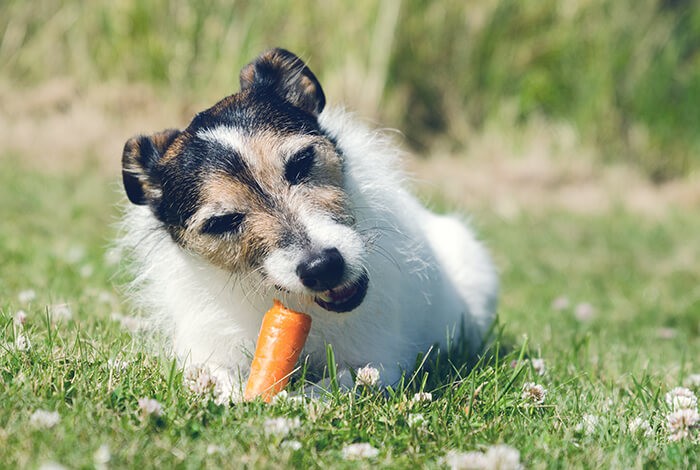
x=281, y=339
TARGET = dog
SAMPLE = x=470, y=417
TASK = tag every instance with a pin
x=269, y=194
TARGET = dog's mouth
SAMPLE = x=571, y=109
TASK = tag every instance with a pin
x=346, y=297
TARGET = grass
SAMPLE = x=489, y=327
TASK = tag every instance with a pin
x=639, y=275
x=625, y=73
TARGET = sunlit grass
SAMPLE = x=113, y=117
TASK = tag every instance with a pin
x=638, y=340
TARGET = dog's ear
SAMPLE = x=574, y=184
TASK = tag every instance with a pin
x=141, y=153
x=288, y=77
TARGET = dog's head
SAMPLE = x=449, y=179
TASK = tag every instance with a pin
x=254, y=185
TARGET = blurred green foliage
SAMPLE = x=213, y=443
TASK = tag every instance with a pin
x=626, y=73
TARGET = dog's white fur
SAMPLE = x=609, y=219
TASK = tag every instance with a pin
x=429, y=276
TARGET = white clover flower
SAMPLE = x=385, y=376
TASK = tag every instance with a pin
x=22, y=343
x=280, y=426
x=415, y=420
x=641, y=426
x=112, y=256
x=291, y=445
x=105, y=297
x=86, y=271
x=74, y=254
x=539, y=366
x=465, y=460
x=214, y=449
x=131, y=324
x=150, y=407
x=692, y=381
x=118, y=365
x=422, y=397
x=283, y=397
x=20, y=318
x=588, y=424
x=680, y=422
x=534, y=393
x=584, y=311
x=26, y=296
x=681, y=398
x=359, y=450
x=102, y=456
x=51, y=466
x=60, y=312
x=44, y=419
x=367, y=376
x=503, y=457
x=198, y=380
x=560, y=303
x=280, y=398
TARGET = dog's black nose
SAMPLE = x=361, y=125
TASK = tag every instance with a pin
x=322, y=270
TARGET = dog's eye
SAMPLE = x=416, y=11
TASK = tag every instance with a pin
x=299, y=166
x=227, y=223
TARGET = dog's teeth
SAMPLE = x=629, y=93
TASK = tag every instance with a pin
x=325, y=297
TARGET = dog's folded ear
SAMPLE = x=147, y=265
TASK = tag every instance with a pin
x=141, y=153
x=288, y=76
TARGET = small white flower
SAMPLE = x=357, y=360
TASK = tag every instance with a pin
x=416, y=420
x=291, y=445
x=60, y=312
x=534, y=393
x=422, y=397
x=681, y=421
x=44, y=419
x=281, y=397
x=588, y=424
x=105, y=297
x=681, y=398
x=102, y=456
x=74, y=254
x=584, y=311
x=359, y=450
x=640, y=426
x=503, y=457
x=112, y=256
x=131, y=324
x=199, y=380
x=465, y=460
x=692, y=381
x=26, y=296
x=86, y=271
x=280, y=426
x=150, y=407
x=51, y=466
x=117, y=365
x=539, y=366
x=214, y=449
x=20, y=318
x=560, y=303
x=367, y=376
x=22, y=343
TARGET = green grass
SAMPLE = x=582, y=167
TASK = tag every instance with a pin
x=641, y=276
x=625, y=73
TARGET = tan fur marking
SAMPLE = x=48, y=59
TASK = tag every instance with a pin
x=273, y=215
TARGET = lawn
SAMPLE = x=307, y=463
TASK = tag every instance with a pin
x=609, y=302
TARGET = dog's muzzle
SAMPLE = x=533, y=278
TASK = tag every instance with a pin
x=322, y=273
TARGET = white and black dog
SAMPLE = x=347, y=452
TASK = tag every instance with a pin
x=268, y=194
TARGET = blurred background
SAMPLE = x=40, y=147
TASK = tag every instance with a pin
x=546, y=102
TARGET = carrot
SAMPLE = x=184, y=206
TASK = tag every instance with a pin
x=281, y=339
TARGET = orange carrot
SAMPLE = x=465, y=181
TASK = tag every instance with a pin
x=281, y=339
